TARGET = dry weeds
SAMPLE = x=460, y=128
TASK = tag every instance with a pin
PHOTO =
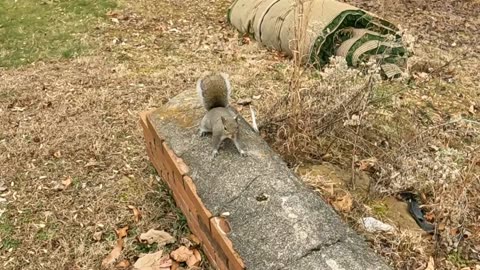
x=78, y=119
x=421, y=133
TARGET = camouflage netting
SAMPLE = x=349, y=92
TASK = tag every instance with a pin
x=332, y=29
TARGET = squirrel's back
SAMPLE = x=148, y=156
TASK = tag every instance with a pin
x=214, y=90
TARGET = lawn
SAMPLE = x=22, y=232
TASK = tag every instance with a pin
x=40, y=30
x=74, y=76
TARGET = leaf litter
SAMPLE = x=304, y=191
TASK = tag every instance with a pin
x=153, y=261
x=154, y=236
x=137, y=215
x=114, y=254
x=122, y=232
x=63, y=185
x=181, y=254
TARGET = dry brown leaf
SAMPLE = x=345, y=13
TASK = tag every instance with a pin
x=122, y=232
x=453, y=231
x=64, y=185
x=244, y=101
x=67, y=182
x=114, y=254
x=153, y=261
x=181, y=254
x=57, y=154
x=175, y=265
x=246, y=40
x=155, y=236
x=194, y=239
x=185, y=242
x=137, y=215
x=97, y=236
x=3, y=187
x=195, y=259
x=343, y=204
x=430, y=216
x=366, y=164
x=123, y=264
x=431, y=264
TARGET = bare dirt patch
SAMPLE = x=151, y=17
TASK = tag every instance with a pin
x=78, y=119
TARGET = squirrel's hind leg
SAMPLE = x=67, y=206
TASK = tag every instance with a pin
x=204, y=127
x=216, y=142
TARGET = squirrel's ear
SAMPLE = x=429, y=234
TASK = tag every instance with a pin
x=223, y=119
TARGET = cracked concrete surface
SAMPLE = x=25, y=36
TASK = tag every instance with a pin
x=277, y=223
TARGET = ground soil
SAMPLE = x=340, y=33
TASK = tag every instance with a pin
x=78, y=118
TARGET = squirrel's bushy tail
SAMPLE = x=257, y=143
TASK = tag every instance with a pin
x=214, y=90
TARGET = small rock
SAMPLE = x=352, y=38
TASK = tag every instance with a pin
x=374, y=225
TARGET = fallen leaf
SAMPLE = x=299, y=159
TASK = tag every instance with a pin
x=112, y=257
x=430, y=216
x=181, y=254
x=153, y=261
x=186, y=242
x=136, y=213
x=67, y=182
x=154, y=236
x=175, y=265
x=431, y=264
x=343, y=204
x=123, y=264
x=453, y=231
x=246, y=40
x=111, y=14
x=195, y=259
x=122, y=232
x=194, y=239
x=91, y=163
x=97, y=236
x=244, y=101
x=471, y=109
x=366, y=164
x=3, y=187
x=57, y=154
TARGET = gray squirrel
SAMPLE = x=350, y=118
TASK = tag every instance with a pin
x=214, y=91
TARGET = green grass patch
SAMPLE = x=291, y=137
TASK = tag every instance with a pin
x=146, y=248
x=6, y=230
x=32, y=30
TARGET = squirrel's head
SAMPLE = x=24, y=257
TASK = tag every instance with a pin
x=230, y=126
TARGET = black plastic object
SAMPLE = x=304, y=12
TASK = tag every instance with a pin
x=416, y=212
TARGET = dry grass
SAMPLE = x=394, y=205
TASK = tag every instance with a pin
x=78, y=118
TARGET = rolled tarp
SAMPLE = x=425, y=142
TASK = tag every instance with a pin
x=330, y=28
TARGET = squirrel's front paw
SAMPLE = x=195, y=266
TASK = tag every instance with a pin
x=243, y=153
x=203, y=133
